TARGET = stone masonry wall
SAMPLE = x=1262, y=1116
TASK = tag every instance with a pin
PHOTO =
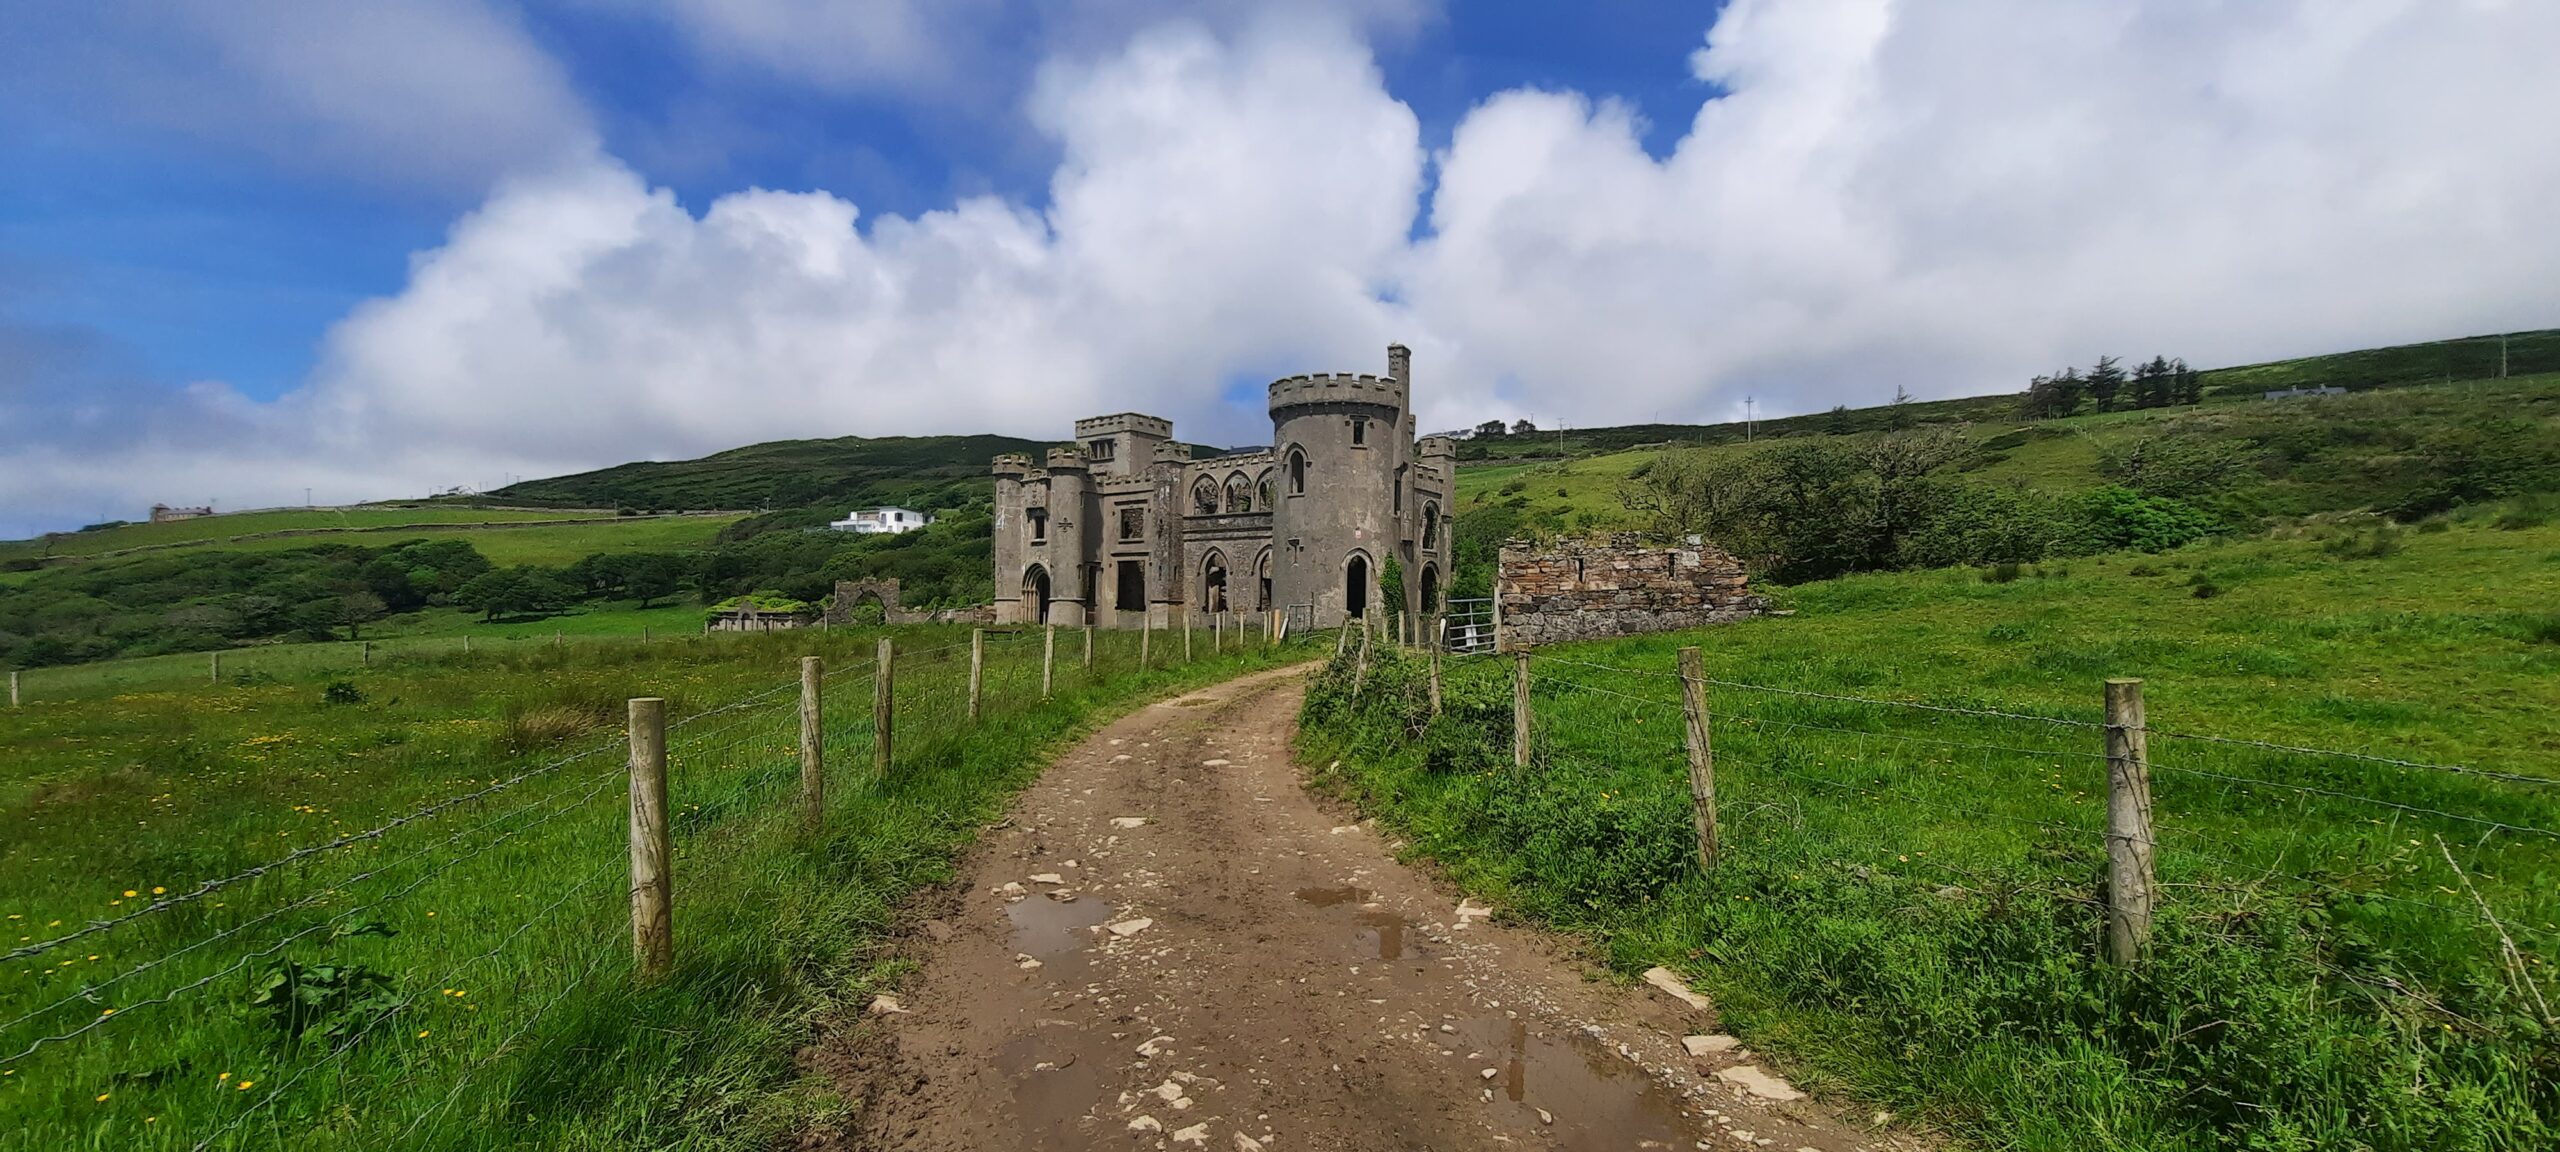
x=1583, y=589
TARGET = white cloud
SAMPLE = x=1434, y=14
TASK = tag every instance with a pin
x=1947, y=197
x=451, y=93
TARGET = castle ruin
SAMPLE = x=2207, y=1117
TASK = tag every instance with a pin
x=1129, y=528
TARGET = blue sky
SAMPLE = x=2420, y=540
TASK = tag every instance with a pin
x=411, y=245
x=191, y=262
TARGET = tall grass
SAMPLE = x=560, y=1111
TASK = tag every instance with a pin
x=1909, y=903
x=462, y=980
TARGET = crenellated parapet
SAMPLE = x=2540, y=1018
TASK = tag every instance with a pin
x=1013, y=465
x=1337, y=388
x=1067, y=460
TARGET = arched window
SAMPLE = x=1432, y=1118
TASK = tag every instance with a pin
x=1262, y=489
x=1213, y=583
x=1297, y=473
x=1430, y=527
x=1239, y=494
x=1204, y=497
x=1355, y=586
x=1262, y=586
x=1430, y=588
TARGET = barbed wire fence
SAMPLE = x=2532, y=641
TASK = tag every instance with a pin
x=2102, y=810
x=442, y=937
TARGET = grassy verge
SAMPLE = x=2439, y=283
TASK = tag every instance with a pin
x=461, y=979
x=1908, y=908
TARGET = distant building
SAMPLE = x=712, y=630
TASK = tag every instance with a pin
x=2290, y=393
x=883, y=519
x=162, y=513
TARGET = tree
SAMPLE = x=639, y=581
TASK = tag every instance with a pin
x=1522, y=428
x=2186, y=384
x=1836, y=421
x=2106, y=382
x=2153, y=383
x=357, y=608
x=650, y=575
x=493, y=594
x=1490, y=428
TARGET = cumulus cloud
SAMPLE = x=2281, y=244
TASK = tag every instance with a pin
x=1879, y=193
x=449, y=93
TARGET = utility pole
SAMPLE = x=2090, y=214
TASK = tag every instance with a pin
x=1746, y=419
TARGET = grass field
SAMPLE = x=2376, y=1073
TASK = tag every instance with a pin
x=2053, y=456
x=460, y=980
x=505, y=536
x=1906, y=911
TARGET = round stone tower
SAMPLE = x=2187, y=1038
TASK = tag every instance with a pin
x=1345, y=456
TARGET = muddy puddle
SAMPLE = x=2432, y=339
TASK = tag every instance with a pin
x=1056, y=1086
x=1056, y=932
x=1597, y=1098
x=1375, y=933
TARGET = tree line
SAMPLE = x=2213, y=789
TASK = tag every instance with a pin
x=2159, y=382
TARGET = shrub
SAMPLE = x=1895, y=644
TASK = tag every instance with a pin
x=342, y=692
x=2001, y=573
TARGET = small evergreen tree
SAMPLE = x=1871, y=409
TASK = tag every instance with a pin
x=2153, y=384
x=2106, y=383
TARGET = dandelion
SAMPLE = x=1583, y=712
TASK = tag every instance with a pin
x=159, y=891
x=129, y=893
x=244, y=1085
x=224, y=1076
x=102, y=1096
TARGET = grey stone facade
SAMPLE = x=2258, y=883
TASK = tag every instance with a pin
x=1126, y=527
x=1594, y=589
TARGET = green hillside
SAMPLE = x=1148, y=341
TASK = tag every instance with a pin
x=918, y=471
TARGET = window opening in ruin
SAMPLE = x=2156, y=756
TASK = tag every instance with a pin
x=1430, y=588
x=1213, y=584
x=1400, y=469
x=1038, y=520
x=1430, y=527
x=1204, y=497
x=1577, y=569
x=1263, y=602
x=1670, y=563
x=1355, y=587
x=1133, y=587
x=1239, y=494
x=1359, y=432
x=1133, y=522
x=1101, y=450
x=1297, y=473
x=1263, y=490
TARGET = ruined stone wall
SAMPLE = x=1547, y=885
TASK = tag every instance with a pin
x=1584, y=589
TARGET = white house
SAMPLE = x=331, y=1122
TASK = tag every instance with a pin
x=883, y=519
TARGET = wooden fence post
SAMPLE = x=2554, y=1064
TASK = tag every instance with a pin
x=2129, y=845
x=1437, y=641
x=367, y=653
x=1360, y=665
x=883, y=715
x=1146, y=636
x=213, y=669
x=652, y=932
x=1519, y=710
x=1088, y=647
x=813, y=742
x=1186, y=633
x=977, y=668
x=466, y=645
x=1048, y=656
x=1218, y=632
x=1702, y=755
x=13, y=687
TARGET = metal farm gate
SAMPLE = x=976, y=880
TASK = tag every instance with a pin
x=1469, y=627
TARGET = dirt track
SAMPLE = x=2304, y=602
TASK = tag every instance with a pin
x=1292, y=986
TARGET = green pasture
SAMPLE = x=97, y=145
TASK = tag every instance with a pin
x=506, y=536
x=461, y=979
x=1908, y=906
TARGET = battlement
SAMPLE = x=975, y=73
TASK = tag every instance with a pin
x=1430, y=446
x=1139, y=422
x=1337, y=388
x=1013, y=464
x=1066, y=460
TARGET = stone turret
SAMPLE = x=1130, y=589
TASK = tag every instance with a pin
x=1343, y=455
